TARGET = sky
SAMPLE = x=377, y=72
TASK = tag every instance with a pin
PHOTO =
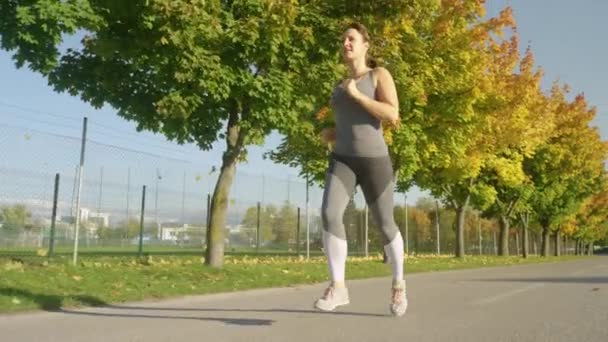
x=40, y=129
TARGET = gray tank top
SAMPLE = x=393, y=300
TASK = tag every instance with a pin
x=358, y=133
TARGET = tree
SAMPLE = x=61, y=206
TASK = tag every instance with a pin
x=284, y=225
x=266, y=217
x=437, y=53
x=421, y=229
x=16, y=218
x=592, y=217
x=398, y=30
x=478, y=227
x=519, y=121
x=452, y=148
x=352, y=224
x=568, y=168
x=107, y=233
x=193, y=70
x=130, y=228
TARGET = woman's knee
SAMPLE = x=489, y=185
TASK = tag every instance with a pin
x=330, y=217
x=332, y=221
x=390, y=231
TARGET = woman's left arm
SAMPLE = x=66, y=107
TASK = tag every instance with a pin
x=386, y=108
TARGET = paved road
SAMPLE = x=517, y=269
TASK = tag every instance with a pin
x=565, y=301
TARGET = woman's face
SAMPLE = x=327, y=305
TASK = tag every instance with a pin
x=354, y=46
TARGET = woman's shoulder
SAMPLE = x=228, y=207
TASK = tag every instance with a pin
x=380, y=71
x=381, y=74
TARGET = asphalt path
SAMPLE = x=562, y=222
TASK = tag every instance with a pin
x=562, y=301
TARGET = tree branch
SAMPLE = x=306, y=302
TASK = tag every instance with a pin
x=512, y=205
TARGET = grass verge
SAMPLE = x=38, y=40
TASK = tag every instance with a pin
x=35, y=283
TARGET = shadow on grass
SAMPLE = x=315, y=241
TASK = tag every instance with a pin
x=50, y=302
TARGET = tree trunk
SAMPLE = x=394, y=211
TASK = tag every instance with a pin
x=214, y=254
x=577, y=247
x=460, y=221
x=360, y=233
x=581, y=247
x=558, y=245
x=590, y=248
x=517, y=243
x=524, y=221
x=544, y=250
x=503, y=247
x=416, y=240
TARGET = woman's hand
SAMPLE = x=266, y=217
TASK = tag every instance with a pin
x=350, y=85
x=393, y=124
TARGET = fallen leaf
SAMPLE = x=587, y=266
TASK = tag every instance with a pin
x=13, y=265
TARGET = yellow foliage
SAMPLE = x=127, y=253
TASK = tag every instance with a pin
x=509, y=170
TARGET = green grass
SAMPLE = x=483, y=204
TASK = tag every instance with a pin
x=32, y=283
x=130, y=250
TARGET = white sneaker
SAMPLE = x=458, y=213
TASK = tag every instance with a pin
x=332, y=298
x=398, y=304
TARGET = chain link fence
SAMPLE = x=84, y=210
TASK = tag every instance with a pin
x=266, y=214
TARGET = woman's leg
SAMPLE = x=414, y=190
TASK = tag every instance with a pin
x=339, y=186
x=377, y=183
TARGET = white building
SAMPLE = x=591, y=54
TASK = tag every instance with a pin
x=173, y=233
x=102, y=220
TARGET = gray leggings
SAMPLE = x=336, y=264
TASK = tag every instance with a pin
x=375, y=176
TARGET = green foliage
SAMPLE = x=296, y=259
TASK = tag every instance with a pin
x=474, y=130
x=15, y=218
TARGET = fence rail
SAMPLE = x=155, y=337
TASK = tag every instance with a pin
x=262, y=214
